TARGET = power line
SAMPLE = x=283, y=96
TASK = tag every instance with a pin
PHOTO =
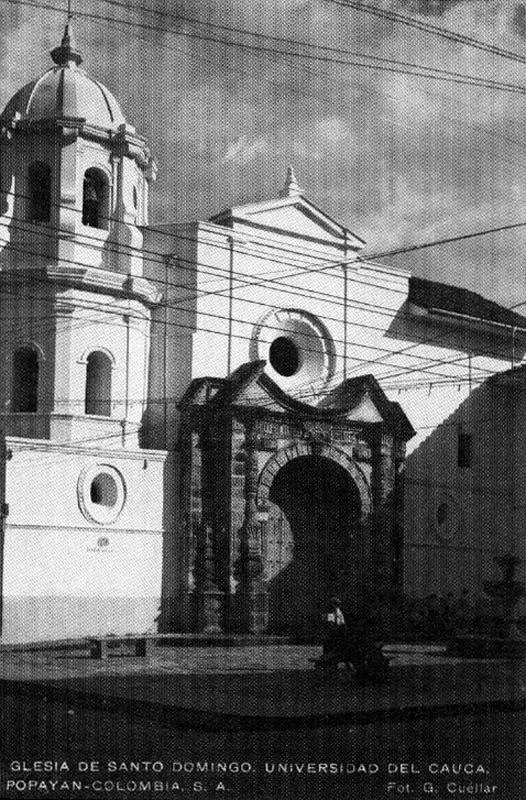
x=467, y=80
x=164, y=401
x=427, y=27
x=429, y=382
x=305, y=68
x=406, y=250
x=309, y=268
x=179, y=18
x=389, y=353
x=249, y=338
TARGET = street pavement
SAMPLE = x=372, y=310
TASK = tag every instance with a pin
x=258, y=687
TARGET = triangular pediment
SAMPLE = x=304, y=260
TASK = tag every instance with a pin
x=293, y=216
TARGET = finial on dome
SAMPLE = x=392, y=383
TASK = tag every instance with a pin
x=67, y=50
x=291, y=188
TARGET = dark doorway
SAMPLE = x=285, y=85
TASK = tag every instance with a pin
x=310, y=540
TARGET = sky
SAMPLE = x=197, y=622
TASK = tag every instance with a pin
x=398, y=159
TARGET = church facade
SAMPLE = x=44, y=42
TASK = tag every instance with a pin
x=215, y=426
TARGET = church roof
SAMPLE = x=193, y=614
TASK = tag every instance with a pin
x=65, y=91
x=453, y=299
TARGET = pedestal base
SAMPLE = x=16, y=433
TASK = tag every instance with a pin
x=209, y=611
x=252, y=611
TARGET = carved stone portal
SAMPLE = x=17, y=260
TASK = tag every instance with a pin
x=298, y=502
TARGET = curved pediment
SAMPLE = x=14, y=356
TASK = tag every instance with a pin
x=359, y=399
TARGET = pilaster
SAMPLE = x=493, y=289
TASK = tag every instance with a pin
x=66, y=211
x=251, y=595
x=384, y=476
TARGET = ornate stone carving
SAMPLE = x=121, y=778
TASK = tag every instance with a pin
x=251, y=591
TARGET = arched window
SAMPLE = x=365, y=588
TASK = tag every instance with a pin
x=98, y=384
x=94, y=199
x=25, y=380
x=39, y=191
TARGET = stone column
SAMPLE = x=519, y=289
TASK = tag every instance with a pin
x=251, y=595
x=208, y=596
x=384, y=513
x=398, y=508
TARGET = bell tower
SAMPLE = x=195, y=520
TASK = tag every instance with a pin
x=74, y=305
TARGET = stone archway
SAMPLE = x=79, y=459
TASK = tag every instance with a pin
x=304, y=449
x=312, y=540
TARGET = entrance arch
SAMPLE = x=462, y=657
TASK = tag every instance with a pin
x=326, y=451
x=312, y=540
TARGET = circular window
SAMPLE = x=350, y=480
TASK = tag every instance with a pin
x=284, y=356
x=101, y=493
x=104, y=490
x=298, y=349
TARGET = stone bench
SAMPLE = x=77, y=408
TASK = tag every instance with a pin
x=117, y=646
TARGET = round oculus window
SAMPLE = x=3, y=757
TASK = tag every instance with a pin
x=297, y=347
x=101, y=493
x=284, y=356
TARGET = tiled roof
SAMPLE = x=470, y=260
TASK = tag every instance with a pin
x=429, y=294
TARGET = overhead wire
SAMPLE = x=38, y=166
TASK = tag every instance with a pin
x=193, y=21
x=427, y=483
x=388, y=351
x=469, y=80
x=503, y=136
x=383, y=287
x=305, y=268
x=153, y=11
x=427, y=27
x=278, y=40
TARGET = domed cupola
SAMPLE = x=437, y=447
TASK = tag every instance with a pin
x=75, y=308
x=74, y=173
x=66, y=91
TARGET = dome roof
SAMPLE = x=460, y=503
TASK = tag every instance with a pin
x=66, y=90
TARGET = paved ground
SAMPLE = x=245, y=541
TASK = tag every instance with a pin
x=264, y=707
x=264, y=686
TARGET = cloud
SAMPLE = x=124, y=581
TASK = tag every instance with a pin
x=242, y=151
x=391, y=156
x=332, y=130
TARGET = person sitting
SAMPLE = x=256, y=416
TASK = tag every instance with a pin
x=353, y=640
x=335, y=638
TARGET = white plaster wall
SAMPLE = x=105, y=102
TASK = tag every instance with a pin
x=66, y=575
x=118, y=328
x=69, y=586
x=259, y=271
x=171, y=266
